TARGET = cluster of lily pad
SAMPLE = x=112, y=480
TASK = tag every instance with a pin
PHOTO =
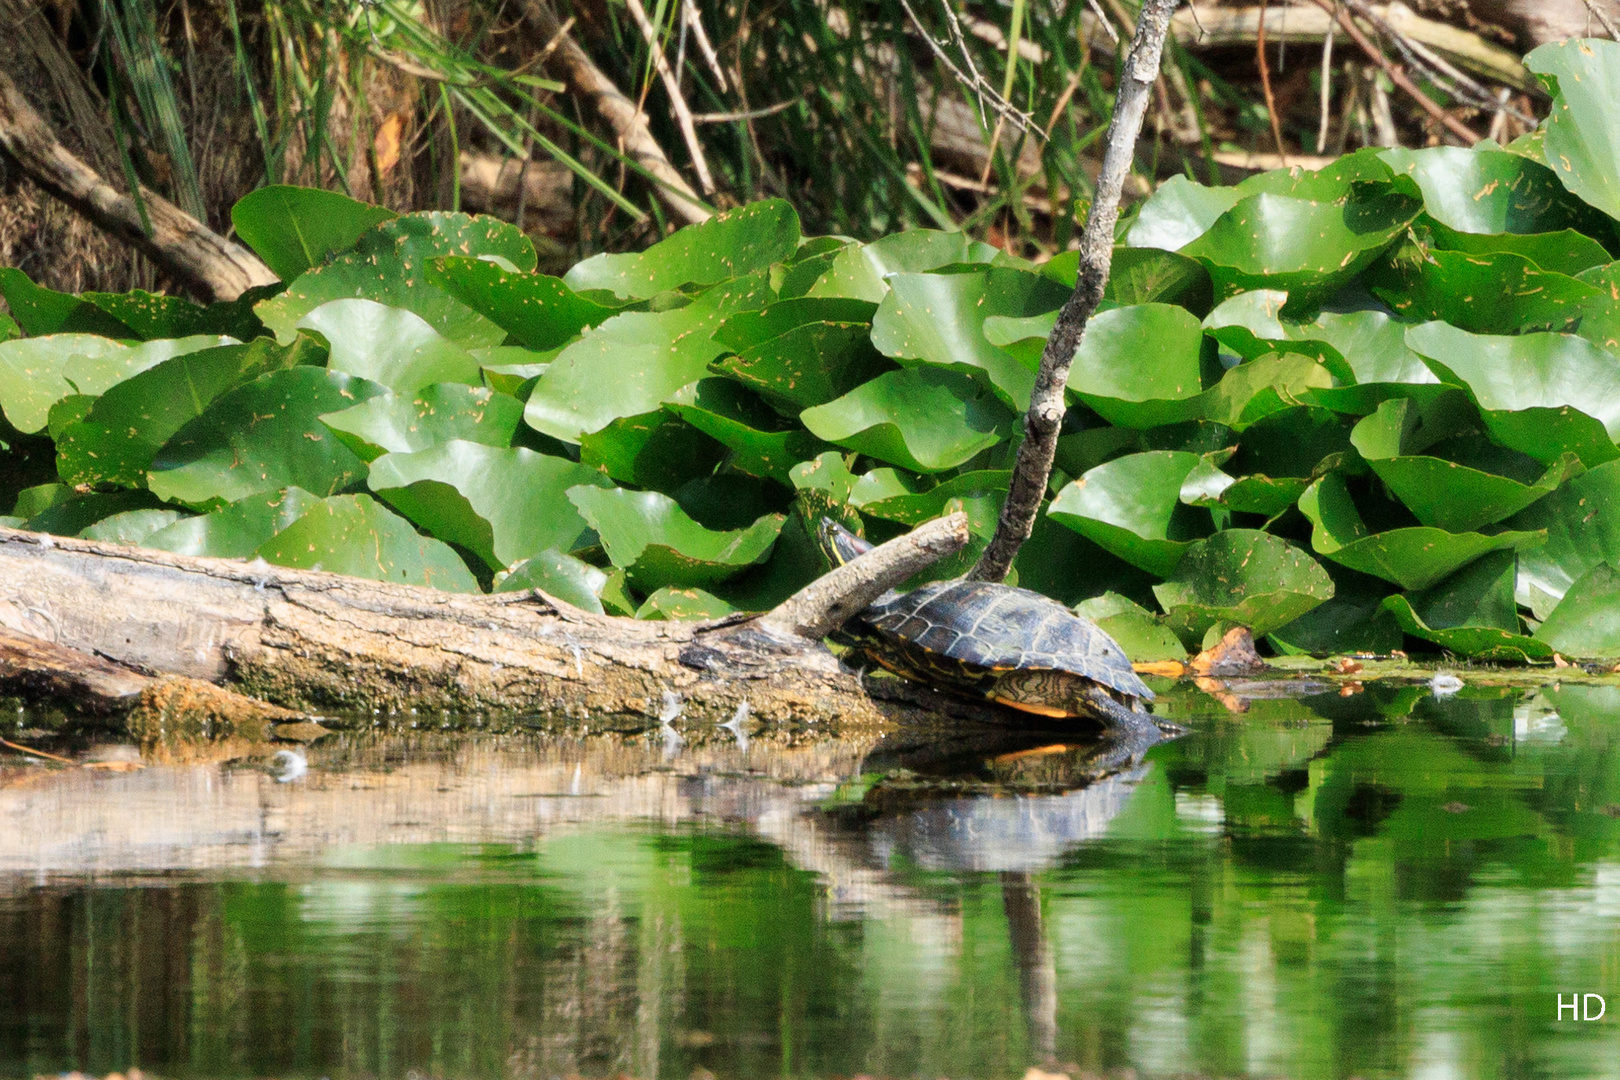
x=1370, y=405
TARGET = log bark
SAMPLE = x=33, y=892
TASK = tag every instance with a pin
x=316, y=641
x=200, y=259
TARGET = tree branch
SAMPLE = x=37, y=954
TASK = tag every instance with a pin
x=1046, y=403
x=677, y=102
x=833, y=598
x=618, y=112
x=185, y=248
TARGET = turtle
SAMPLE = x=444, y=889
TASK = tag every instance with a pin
x=998, y=642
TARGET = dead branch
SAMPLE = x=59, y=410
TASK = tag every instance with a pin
x=185, y=248
x=831, y=600
x=1046, y=404
x=677, y=101
x=627, y=124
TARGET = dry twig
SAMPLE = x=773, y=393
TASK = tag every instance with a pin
x=672, y=86
x=1046, y=404
x=989, y=100
x=1265, y=84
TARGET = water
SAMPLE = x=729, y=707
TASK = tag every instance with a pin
x=1381, y=885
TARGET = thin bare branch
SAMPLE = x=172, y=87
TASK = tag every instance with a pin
x=989, y=99
x=1046, y=404
x=710, y=57
x=677, y=102
x=1608, y=24
x=1265, y=84
x=1327, y=87
x=749, y=114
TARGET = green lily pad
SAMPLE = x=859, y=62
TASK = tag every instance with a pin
x=1179, y=212
x=1142, y=275
x=37, y=372
x=728, y=245
x=632, y=362
x=540, y=311
x=9, y=328
x=1413, y=558
x=1471, y=613
x=131, y=526
x=391, y=346
x=1448, y=493
x=263, y=436
x=33, y=501
x=1242, y=577
x=939, y=319
x=650, y=537
x=503, y=505
x=861, y=270
x=152, y=316
x=809, y=365
x=1496, y=292
x=1374, y=346
x=559, y=576
x=1131, y=507
x=120, y=434
x=747, y=329
x=1581, y=141
x=388, y=264
x=69, y=513
x=1308, y=249
x=1542, y=394
x=1353, y=621
x=1142, y=634
x=404, y=423
x=1249, y=324
x=739, y=421
x=356, y=535
x=1137, y=366
x=914, y=508
x=656, y=450
x=1586, y=623
x=295, y=228
x=237, y=530
x=39, y=311
x=1260, y=494
x=922, y=419
x=1582, y=523
x=683, y=604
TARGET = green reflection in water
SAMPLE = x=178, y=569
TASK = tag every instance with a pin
x=1382, y=885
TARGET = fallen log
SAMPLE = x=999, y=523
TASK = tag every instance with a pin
x=317, y=641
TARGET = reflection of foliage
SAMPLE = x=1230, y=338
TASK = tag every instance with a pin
x=1256, y=437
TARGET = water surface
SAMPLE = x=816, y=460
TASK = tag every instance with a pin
x=1381, y=885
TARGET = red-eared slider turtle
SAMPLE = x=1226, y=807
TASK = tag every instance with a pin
x=995, y=641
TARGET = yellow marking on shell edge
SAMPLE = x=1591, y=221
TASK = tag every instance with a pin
x=1029, y=707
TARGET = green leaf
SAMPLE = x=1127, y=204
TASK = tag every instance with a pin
x=37, y=372
x=391, y=346
x=1413, y=558
x=1308, y=249
x=1374, y=345
x=739, y=421
x=356, y=535
x=747, y=329
x=922, y=419
x=728, y=245
x=540, y=311
x=860, y=270
x=1179, y=212
x=656, y=450
x=1244, y=577
x=503, y=505
x=123, y=430
x=131, y=526
x=263, y=436
x=152, y=316
x=1143, y=275
x=1449, y=494
x=915, y=508
x=1586, y=622
x=1542, y=394
x=404, y=423
x=33, y=501
x=808, y=365
x=295, y=228
x=559, y=576
x=1131, y=507
x=691, y=604
x=69, y=514
x=8, y=327
x=1491, y=293
x=1353, y=621
x=656, y=544
x=40, y=311
x=1260, y=494
x=388, y=264
x=1582, y=522
x=237, y=530
x=632, y=362
x=1582, y=133
x=1142, y=634
x=1470, y=613
x=939, y=319
x=1136, y=366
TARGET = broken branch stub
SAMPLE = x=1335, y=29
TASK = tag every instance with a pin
x=831, y=600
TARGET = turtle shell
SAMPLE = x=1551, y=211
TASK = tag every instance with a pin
x=980, y=626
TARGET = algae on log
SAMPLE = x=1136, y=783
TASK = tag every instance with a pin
x=314, y=640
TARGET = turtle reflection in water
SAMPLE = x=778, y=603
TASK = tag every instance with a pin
x=988, y=640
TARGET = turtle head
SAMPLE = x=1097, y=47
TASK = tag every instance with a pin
x=838, y=543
